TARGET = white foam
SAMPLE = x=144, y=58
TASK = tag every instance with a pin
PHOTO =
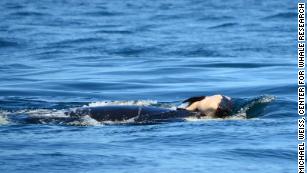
x=266, y=99
x=183, y=105
x=206, y=118
x=238, y=116
x=3, y=117
x=197, y=119
x=129, y=102
x=88, y=121
x=261, y=100
x=45, y=113
x=85, y=121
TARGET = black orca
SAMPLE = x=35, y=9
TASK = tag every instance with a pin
x=216, y=106
x=137, y=113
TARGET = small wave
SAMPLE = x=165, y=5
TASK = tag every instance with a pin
x=262, y=153
x=205, y=52
x=169, y=16
x=238, y=65
x=103, y=13
x=133, y=51
x=108, y=26
x=286, y=15
x=114, y=32
x=28, y=13
x=14, y=6
x=198, y=52
x=254, y=107
x=6, y=43
x=224, y=25
x=215, y=18
x=16, y=66
x=78, y=41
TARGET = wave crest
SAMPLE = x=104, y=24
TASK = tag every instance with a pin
x=254, y=107
x=129, y=102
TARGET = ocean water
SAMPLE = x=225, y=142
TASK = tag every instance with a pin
x=58, y=55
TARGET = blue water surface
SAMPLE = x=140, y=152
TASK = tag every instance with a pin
x=60, y=54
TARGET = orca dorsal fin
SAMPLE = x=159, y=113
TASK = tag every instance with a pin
x=193, y=99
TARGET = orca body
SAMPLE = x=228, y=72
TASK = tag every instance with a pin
x=216, y=106
x=137, y=113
